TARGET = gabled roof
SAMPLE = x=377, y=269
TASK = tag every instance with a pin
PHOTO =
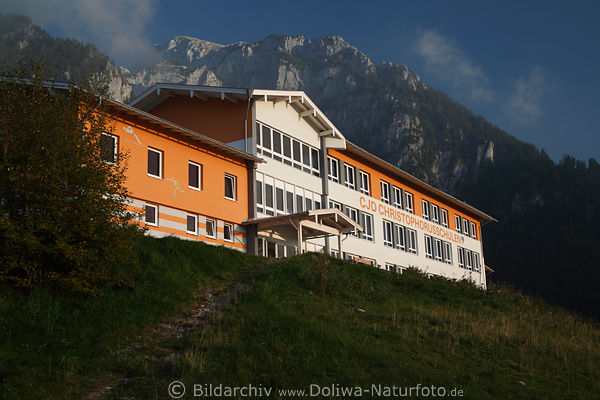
x=305, y=107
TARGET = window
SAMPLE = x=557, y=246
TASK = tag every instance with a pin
x=211, y=228
x=287, y=150
x=438, y=250
x=266, y=141
x=465, y=227
x=473, y=231
x=476, y=262
x=411, y=241
x=289, y=200
x=314, y=153
x=228, y=232
x=333, y=204
x=277, y=146
x=457, y=223
x=447, y=253
x=349, y=176
x=435, y=213
x=390, y=267
x=469, y=260
x=194, y=176
x=269, y=209
x=155, y=163
x=333, y=169
x=425, y=207
x=109, y=148
x=297, y=155
x=306, y=157
x=388, y=239
x=192, y=224
x=259, y=196
x=461, y=257
x=397, y=197
x=385, y=192
x=151, y=217
x=279, y=200
x=400, y=237
x=367, y=225
x=364, y=183
x=444, y=217
x=352, y=213
x=408, y=202
x=428, y=246
x=230, y=187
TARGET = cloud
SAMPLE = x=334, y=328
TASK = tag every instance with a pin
x=118, y=28
x=444, y=59
x=523, y=107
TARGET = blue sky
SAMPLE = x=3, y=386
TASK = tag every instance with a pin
x=529, y=67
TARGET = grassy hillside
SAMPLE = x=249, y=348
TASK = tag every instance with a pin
x=305, y=320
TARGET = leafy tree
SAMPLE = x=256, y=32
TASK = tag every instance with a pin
x=63, y=216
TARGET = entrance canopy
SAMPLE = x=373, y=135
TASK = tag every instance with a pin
x=309, y=224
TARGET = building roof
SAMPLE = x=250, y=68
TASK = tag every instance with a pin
x=307, y=109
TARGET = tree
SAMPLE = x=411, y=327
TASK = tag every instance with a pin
x=63, y=215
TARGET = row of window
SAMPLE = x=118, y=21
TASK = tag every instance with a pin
x=437, y=249
x=348, y=176
x=399, y=237
x=465, y=226
x=275, y=197
x=434, y=213
x=468, y=259
x=397, y=197
x=152, y=217
x=281, y=147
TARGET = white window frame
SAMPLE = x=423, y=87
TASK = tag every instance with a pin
x=115, y=148
x=444, y=217
x=160, y=163
x=458, y=223
x=199, y=188
x=385, y=192
x=476, y=262
x=349, y=176
x=411, y=241
x=367, y=225
x=438, y=250
x=400, y=237
x=428, y=247
x=333, y=169
x=335, y=204
x=364, y=183
x=155, y=223
x=213, y=222
x=397, y=197
x=435, y=213
x=425, y=209
x=388, y=234
x=195, y=231
x=352, y=213
x=230, y=226
x=461, y=257
x=466, y=226
x=447, y=252
x=473, y=230
x=408, y=202
x=233, y=179
x=469, y=260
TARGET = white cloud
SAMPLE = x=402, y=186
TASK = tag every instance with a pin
x=523, y=108
x=116, y=27
x=448, y=62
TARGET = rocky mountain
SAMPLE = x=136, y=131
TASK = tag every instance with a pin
x=546, y=243
x=67, y=59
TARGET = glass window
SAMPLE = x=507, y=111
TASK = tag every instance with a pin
x=266, y=138
x=385, y=192
x=476, y=262
x=425, y=207
x=439, y=255
x=444, y=217
x=276, y=142
x=290, y=202
x=333, y=204
x=108, y=148
x=287, y=150
x=315, y=161
x=333, y=169
x=279, y=198
x=230, y=187
x=435, y=213
x=151, y=215
x=308, y=204
x=364, y=183
x=473, y=231
x=259, y=193
x=155, y=163
x=397, y=197
x=352, y=213
x=349, y=176
x=465, y=226
x=194, y=175
x=428, y=246
x=296, y=148
x=367, y=225
x=447, y=253
x=228, y=232
x=469, y=259
x=408, y=202
x=211, y=228
x=461, y=257
x=400, y=237
x=305, y=155
x=268, y=195
x=192, y=224
x=457, y=223
x=412, y=241
x=299, y=203
x=387, y=234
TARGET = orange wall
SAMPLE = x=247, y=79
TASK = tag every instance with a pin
x=376, y=176
x=172, y=190
x=216, y=118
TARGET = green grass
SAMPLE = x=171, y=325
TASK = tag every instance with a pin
x=304, y=320
x=60, y=346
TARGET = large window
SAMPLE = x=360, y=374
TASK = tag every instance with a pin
x=230, y=190
x=155, y=163
x=435, y=213
x=458, y=223
x=109, y=147
x=352, y=213
x=473, y=230
x=444, y=217
x=151, y=215
x=367, y=225
x=461, y=257
x=388, y=236
x=349, y=179
x=194, y=176
x=447, y=253
x=425, y=208
x=192, y=224
x=400, y=236
x=438, y=249
x=408, y=202
x=428, y=246
x=466, y=227
x=411, y=241
x=385, y=192
x=364, y=183
x=333, y=169
x=397, y=197
x=281, y=147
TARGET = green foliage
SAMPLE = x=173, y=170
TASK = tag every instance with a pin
x=63, y=217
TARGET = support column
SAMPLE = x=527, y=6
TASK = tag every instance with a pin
x=340, y=246
x=300, y=237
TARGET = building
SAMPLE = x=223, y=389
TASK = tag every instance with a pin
x=303, y=185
